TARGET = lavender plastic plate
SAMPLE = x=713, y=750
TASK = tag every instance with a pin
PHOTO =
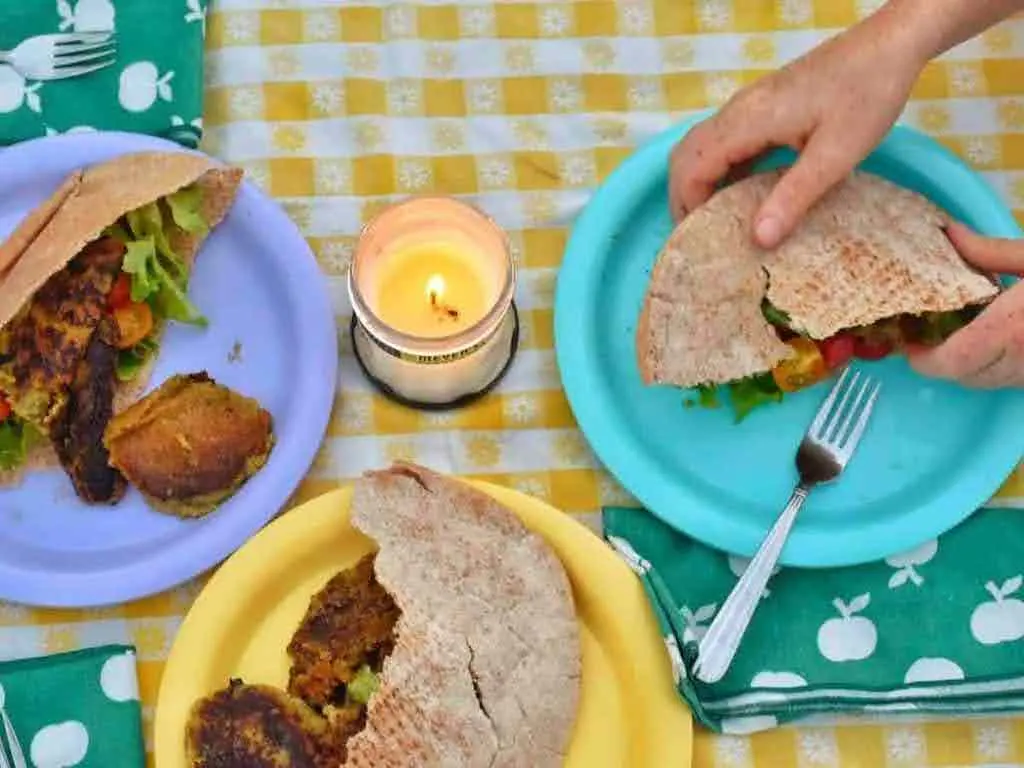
x=271, y=336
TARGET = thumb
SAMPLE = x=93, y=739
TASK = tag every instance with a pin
x=991, y=254
x=818, y=169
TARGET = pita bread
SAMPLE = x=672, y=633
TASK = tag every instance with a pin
x=869, y=250
x=471, y=579
x=85, y=204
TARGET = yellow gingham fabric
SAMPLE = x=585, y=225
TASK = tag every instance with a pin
x=336, y=108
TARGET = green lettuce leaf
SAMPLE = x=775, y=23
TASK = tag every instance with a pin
x=185, y=206
x=16, y=436
x=159, y=275
x=131, y=361
x=749, y=393
x=707, y=396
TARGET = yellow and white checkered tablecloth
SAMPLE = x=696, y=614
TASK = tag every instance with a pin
x=337, y=107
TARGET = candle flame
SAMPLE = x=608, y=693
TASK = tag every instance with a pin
x=435, y=288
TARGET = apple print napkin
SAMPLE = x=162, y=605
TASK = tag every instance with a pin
x=76, y=709
x=938, y=630
x=154, y=87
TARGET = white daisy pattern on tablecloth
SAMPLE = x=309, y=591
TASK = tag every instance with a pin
x=477, y=21
x=521, y=408
x=905, y=744
x=483, y=96
x=577, y=169
x=413, y=174
x=982, y=150
x=246, y=102
x=636, y=17
x=242, y=27
x=400, y=21
x=714, y=14
x=335, y=256
x=992, y=741
x=720, y=87
x=554, y=20
x=818, y=747
x=966, y=79
x=404, y=97
x=565, y=95
x=333, y=176
x=645, y=93
x=318, y=25
x=328, y=98
x=496, y=172
x=355, y=411
x=796, y=11
x=732, y=751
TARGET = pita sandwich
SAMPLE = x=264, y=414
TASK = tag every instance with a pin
x=472, y=661
x=88, y=281
x=867, y=272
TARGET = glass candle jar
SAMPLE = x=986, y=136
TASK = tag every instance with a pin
x=431, y=284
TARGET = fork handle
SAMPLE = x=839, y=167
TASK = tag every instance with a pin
x=717, y=649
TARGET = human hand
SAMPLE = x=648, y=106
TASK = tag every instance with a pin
x=989, y=352
x=832, y=105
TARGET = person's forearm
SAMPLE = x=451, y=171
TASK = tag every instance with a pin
x=932, y=27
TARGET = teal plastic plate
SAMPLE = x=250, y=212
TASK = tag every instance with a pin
x=934, y=451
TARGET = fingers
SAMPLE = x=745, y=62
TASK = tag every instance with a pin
x=987, y=353
x=987, y=253
x=818, y=169
x=704, y=157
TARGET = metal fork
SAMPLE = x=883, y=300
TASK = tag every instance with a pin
x=825, y=450
x=17, y=755
x=58, y=56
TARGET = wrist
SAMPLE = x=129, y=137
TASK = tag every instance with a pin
x=916, y=31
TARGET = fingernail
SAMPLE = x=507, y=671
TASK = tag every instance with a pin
x=768, y=231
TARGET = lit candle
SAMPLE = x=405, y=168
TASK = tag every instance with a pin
x=431, y=286
x=431, y=290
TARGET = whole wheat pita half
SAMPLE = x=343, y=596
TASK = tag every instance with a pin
x=868, y=250
x=456, y=559
x=94, y=198
x=85, y=204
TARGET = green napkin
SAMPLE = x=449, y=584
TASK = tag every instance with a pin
x=155, y=86
x=937, y=630
x=79, y=708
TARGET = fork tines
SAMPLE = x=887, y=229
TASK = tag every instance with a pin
x=841, y=426
x=87, y=51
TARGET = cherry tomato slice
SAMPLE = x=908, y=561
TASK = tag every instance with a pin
x=5, y=409
x=121, y=294
x=837, y=350
x=871, y=349
x=807, y=367
x=134, y=321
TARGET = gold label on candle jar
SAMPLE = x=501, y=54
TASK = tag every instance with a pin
x=438, y=359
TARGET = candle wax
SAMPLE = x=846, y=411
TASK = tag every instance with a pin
x=431, y=290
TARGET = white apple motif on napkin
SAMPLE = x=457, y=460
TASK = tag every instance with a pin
x=60, y=746
x=87, y=16
x=906, y=561
x=933, y=670
x=141, y=84
x=1002, y=619
x=14, y=91
x=850, y=637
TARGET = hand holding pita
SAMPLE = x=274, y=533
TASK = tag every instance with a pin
x=988, y=353
x=833, y=105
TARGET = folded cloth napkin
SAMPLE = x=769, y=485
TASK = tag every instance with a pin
x=937, y=630
x=155, y=86
x=79, y=708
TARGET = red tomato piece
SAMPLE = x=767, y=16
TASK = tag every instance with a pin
x=871, y=349
x=121, y=294
x=837, y=350
x=5, y=408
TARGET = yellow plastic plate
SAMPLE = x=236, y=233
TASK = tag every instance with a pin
x=242, y=621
